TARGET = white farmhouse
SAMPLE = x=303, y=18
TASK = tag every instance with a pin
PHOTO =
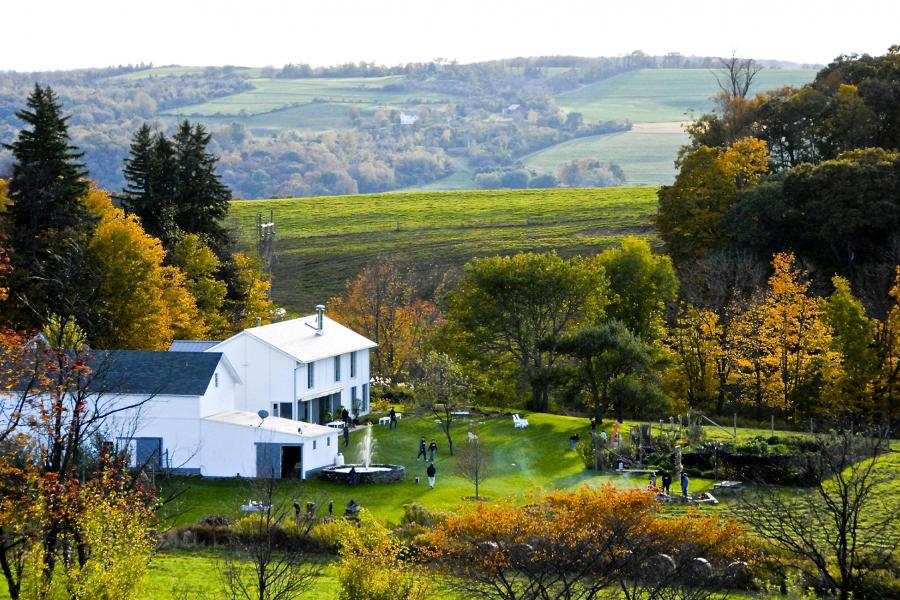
x=254, y=405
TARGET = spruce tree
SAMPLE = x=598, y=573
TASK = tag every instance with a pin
x=201, y=198
x=48, y=223
x=150, y=184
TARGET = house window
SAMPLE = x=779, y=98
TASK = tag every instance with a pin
x=217, y=379
x=314, y=444
x=365, y=398
x=337, y=368
x=274, y=410
x=328, y=441
x=286, y=410
x=310, y=376
x=352, y=394
x=353, y=364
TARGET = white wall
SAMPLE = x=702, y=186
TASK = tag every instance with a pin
x=267, y=375
x=323, y=371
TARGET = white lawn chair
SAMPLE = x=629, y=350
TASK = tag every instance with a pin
x=519, y=422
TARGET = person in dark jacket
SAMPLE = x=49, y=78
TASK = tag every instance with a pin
x=351, y=478
x=431, y=472
x=393, y=423
x=666, y=481
x=346, y=435
x=432, y=450
x=345, y=416
x=422, y=452
x=684, y=484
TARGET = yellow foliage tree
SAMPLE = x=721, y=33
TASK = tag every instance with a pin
x=695, y=342
x=252, y=300
x=708, y=183
x=887, y=382
x=796, y=338
x=200, y=265
x=753, y=373
x=148, y=302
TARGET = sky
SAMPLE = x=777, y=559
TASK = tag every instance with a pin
x=66, y=34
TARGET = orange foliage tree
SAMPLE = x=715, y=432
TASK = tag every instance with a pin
x=381, y=303
x=574, y=544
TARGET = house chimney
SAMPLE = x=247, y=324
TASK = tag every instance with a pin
x=320, y=318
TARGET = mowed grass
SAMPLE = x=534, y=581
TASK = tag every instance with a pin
x=274, y=94
x=178, y=71
x=646, y=154
x=321, y=243
x=662, y=95
x=524, y=462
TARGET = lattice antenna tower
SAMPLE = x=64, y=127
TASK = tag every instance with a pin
x=265, y=241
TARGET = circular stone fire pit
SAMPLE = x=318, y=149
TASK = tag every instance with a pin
x=370, y=474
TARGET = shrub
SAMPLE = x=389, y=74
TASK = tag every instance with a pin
x=330, y=533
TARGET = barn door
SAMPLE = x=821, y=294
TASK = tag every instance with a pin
x=268, y=460
x=147, y=453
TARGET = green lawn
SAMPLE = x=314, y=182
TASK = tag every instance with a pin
x=524, y=461
x=662, y=95
x=323, y=242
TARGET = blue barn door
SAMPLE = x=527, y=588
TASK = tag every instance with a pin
x=268, y=460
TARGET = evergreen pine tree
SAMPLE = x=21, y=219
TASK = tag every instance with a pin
x=150, y=184
x=47, y=220
x=201, y=198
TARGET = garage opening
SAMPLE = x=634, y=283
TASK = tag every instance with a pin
x=291, y=462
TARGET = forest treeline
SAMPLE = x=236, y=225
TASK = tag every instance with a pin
x=375, y=152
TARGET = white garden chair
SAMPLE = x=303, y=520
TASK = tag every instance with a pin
x=519, y=422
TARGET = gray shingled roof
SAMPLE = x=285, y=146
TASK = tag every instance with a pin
x=191, y=345
x=152, y=373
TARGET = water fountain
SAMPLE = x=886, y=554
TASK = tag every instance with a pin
x=366, y=471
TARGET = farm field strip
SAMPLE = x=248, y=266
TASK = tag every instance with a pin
x=323, y=242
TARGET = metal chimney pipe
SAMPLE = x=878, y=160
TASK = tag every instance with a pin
x=320, y=318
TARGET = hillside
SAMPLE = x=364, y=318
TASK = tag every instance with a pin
x=323, y=242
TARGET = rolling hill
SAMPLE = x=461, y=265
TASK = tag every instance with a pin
x=322, y=242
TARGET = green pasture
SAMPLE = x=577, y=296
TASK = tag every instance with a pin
x=323, y=242
x=662, y=95
x=646, y=156
x=275, y=94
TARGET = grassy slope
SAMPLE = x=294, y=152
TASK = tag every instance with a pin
x=323, y=242
x=274, y=94
x=661, y=95
x=647, y=157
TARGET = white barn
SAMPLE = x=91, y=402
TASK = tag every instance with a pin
x=199, y=407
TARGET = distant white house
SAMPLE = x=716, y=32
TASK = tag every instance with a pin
x=254, y=405
x=408, y=118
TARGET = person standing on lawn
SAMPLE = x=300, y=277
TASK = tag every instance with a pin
x=422, y=453
x=431, y=472
x=666, y=481
x=346, y=435
x=432, y=450
x=684, y=485
x=393, y=423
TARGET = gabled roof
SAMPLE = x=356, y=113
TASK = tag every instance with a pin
x=152, y=373
x=245, y=418
x=191, y=345
x=298, y=339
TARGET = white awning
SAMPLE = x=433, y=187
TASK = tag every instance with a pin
x=319, y=393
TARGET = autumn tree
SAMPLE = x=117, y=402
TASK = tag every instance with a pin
x=754, y=370
x=374, y=564
x=200, y=266
x=247, y=298
x=578, y=544
x=381, y=303
x=796, y=338
x=708, y=184
x=694, y=338
x=886, y=388
x=148, y=302
x=513, y=310
x=853, y=344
